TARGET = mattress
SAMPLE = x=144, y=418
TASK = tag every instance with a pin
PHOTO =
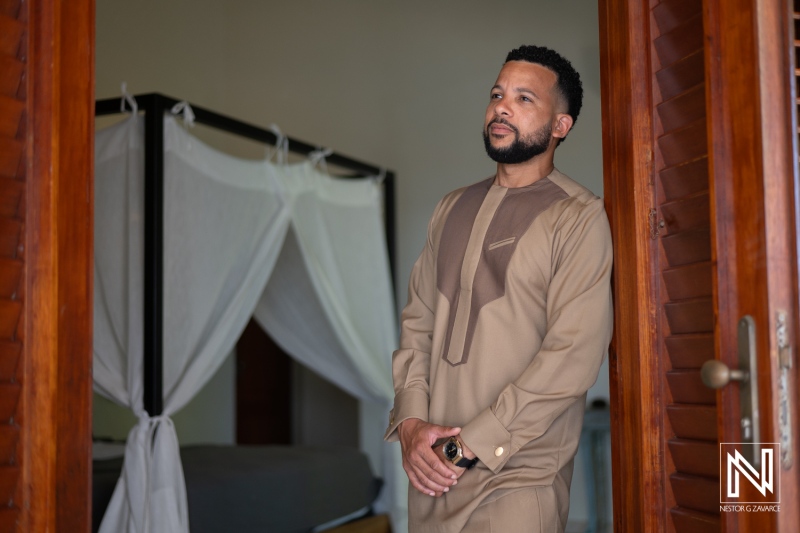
x=276, y=489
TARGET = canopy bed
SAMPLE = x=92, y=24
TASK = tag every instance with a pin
x=189, y=244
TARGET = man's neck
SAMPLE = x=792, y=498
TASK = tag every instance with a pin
x=524, y=174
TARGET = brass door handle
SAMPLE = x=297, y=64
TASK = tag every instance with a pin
x=716, y=374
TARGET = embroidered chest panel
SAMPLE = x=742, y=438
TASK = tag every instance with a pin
x=479, y=238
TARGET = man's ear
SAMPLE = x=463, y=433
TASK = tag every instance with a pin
x=562, y=126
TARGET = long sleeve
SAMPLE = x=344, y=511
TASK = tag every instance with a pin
x=578, y=331
x=411, y=361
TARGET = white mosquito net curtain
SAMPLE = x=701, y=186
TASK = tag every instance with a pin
x=302, y=251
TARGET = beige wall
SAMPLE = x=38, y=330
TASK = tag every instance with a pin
x=398, y=84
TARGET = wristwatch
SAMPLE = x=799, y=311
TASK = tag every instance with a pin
x=453, y=452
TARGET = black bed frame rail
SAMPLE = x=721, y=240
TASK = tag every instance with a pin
x=154, y=105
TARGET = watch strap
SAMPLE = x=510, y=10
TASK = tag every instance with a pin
x=466, y=463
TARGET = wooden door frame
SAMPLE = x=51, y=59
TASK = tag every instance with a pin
x=752, y=167
x=55, y=444
x=634, y=368
x=56, y=437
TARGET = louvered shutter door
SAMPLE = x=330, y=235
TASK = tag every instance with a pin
x=13, y=88
x=683, y=226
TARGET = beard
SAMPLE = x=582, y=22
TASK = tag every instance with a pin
x=522, y=149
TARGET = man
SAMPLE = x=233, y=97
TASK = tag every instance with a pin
x=508, y=320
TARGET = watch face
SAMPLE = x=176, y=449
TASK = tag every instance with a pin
x=451, y=450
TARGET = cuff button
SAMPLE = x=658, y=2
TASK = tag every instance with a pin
x=499, y=451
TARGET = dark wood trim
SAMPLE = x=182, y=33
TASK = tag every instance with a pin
x=59, y=268
x=40, y=318
x=635, y=370
x=76, y=266
x=263, y=389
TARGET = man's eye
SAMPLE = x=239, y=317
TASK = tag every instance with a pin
x=525, y=99
x=496, y=96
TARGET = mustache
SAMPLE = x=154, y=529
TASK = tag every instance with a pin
x=502, y=121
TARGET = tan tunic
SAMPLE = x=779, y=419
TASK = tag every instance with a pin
x=508, y=319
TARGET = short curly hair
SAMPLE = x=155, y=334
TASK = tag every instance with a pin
x=569, y=81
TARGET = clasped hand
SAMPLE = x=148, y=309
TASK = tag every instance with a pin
x=428, y=470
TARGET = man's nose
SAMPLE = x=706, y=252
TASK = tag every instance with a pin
x=502, y=109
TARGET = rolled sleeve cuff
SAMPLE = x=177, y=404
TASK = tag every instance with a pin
x=408, y=403
x=488, y=439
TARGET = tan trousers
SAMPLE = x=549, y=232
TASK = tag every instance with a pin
x=524, y=511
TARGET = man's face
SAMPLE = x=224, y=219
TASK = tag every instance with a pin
x=521, y=113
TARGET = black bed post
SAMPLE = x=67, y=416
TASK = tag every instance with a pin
x=153, y=107
x=388, y=202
